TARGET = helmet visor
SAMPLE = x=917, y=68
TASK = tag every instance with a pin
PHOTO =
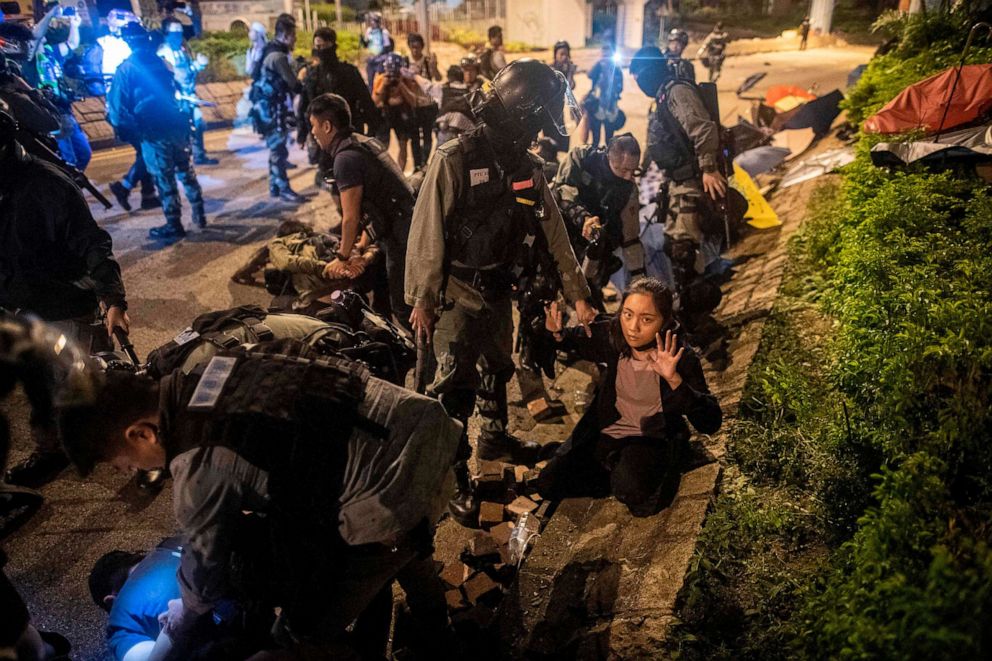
x=560, y=106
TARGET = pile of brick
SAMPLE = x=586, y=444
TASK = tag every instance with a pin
x=477, y=581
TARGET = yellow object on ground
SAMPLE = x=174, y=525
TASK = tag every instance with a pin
x=759, y=214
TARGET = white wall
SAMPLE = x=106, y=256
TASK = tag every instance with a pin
x=630, y=23
x=219, y=14
x=543, y=22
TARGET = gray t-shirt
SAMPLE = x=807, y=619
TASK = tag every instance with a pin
x=638, y=401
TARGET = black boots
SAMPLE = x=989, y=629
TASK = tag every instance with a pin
x=464, y=506
x=507, y=447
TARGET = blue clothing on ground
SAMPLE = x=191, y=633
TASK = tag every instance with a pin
x=145, y=595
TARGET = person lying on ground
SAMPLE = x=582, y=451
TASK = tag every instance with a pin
x=631, y=441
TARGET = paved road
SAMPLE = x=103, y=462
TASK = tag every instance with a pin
x=51, y=556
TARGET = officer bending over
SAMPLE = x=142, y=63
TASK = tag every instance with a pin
x=58, y=264
x=483, y=201
x=349, y=471
x=372, y=193
x=598, y=197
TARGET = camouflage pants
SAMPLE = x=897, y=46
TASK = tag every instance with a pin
x=463, y=340
x=275, y=140
x=166, y=160
x=684, y=224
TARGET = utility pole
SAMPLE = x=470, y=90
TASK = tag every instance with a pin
x=821, y=16
x=423, y=23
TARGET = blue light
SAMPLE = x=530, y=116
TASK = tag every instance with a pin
x=617, y=58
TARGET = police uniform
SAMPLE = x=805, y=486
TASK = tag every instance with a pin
x=185, y=68
x=349, y=471
x=471, y=222
x=681, y=68
x=684, y=142
x=142, y=103
x=275, y=84
x=585, y=187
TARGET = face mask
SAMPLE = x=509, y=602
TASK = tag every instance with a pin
x=174, y=40
x=57, y=35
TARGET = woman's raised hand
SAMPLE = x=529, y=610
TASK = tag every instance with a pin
x=552, y=319
x=664, y=360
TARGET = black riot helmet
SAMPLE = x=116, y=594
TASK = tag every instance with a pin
x=522, y=97
x=680, y=36
x=136, y=36
x=650, y=69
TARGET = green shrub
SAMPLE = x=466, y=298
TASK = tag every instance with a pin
x=872, y=415
x=226, y=51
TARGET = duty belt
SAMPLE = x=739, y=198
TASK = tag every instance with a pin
x=491, y=283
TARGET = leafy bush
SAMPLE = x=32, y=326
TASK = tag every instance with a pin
x=226, y=51
x=892, y=559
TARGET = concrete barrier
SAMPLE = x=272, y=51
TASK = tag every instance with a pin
x=91, y=113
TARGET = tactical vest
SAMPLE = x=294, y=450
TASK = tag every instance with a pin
x=487, y=228
x=668, y=144
x=268, y=93
x=604, y=194
x=486, y=68
x=387, y=197
x=454, y=99
x=368, y=339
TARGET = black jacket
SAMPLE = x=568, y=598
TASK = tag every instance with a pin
x=692, y=400
x=343, y=79
x=54, y=259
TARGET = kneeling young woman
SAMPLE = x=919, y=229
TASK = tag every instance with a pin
x=632, y=440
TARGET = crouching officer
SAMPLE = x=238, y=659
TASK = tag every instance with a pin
x=350, y=472
x=599, y=200
x=684, y=142
x=372, y=194
x=483, y=200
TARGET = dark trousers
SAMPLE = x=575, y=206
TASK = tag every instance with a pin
x=139, y=173
x=423, y=135
x=167, y=159
x=642, y=471
x=275, y=140
x=74, y=146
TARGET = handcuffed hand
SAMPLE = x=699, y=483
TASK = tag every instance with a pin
x=336, y=270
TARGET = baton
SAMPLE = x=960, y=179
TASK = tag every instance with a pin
x=423, y=364
x=122, y=338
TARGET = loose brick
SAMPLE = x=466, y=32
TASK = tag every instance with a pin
x=455, y=574
x=490, y=514
x=520, y=505
x=455, y=599
x=542, y=409
x=479, y=587
x=482, y=545
x=501, y=533
x=520, y=473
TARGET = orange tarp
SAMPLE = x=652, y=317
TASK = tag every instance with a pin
x=787, y=97
x=921, y=105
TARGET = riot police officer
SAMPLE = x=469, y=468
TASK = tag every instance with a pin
x=349, y=471
x=681, y=67
x=142, y=105
x=483, y=200
x=598, y=197
x=684, y=142
x=274, y=84
x=58, y=264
